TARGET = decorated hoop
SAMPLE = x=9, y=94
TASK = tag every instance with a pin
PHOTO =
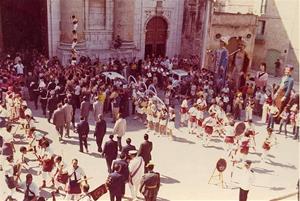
x=239, y=128
x=221, y=165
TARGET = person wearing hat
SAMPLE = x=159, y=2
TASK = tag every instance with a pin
x=283, y=94
x=136, y=171
x=150, y=183
x=145, y=150
x=240, y=63
x=221, y=55
x=110, y=152
x=246, y=179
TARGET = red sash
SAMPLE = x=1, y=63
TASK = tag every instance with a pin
x=183, y=110
x=193, y=119
x=266, y=146
x=244, y=150
x=62, y=178
x=229, y=139
x=47, y=165
x=199, y=121
x=208, y=130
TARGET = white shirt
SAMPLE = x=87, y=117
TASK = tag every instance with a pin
x=262, y=99
x=19, y=69
x=77, y=90
x=8, y=169
x=78, y=172
x=32, y=187
x=7, y=136
x=28, y=112
x=246, y=179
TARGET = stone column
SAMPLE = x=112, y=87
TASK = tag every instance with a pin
x=69, y=8
x=124, y=19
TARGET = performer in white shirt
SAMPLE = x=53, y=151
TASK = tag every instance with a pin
x=208, y=124
x=192, y=126
x=60, y=174
x=31, y=190
x=76, y=174
x=229, y=138
x=184, y=112
x=246, y=180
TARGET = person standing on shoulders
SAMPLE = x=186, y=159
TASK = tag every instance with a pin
x=150, y=183
x=261, y=77
x=100, y=131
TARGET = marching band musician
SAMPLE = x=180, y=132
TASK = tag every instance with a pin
x=31, y=190
x=229, y=137
x=155, y=119
x=149, y=116
x=163, y=115
x=60, y=174
x=250, y=128
x=208, y=125
x=268, y=143
x=75, y=174
x=192, y=119
x=183, y=112
x=244, y=145
x=171, y=122
x=9, y=177
x=46, y=159
x=249, y=108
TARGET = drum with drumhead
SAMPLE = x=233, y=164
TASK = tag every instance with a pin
x=266, y=146
x=208, y=129
x=239, y=128
x=221, y=165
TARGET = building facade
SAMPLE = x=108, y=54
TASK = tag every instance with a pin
x=145, y=27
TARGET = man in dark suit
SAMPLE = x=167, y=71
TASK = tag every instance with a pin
x=115, y=183
x=100, y=131
x=110, y=152
x=83, y=130
x=59, y=120
x=124, y=170
x=128, y=147
x=150, y=184
x=51, y=105
x=145, y=150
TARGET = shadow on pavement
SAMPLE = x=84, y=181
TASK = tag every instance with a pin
x=183, y=140
x=281, y=165
x=168, y=180
x=262, y=171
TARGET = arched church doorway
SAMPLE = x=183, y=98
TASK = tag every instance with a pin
x=24, y=25
x=156, y=37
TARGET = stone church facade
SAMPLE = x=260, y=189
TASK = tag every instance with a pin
x=144, y=26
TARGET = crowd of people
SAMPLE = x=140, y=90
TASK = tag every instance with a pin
x=209, y=106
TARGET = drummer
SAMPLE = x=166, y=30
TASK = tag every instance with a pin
x=229, y=137
x=208, y=124
x=46, y=159
x=268, y=143
x=75, y=174
x=60, y=174
x=183, y=112
x=192, y=119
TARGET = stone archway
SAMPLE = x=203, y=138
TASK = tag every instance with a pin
x=156, y=37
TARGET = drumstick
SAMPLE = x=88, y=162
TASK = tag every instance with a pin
x=81, y=180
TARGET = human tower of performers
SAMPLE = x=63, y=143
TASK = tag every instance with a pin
x=207, y=109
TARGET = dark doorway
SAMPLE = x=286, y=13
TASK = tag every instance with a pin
x=24, y=25
x=156, y=37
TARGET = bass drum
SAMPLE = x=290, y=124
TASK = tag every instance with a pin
x=239, y=128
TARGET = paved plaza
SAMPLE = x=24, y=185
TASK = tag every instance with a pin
x=184, y=164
